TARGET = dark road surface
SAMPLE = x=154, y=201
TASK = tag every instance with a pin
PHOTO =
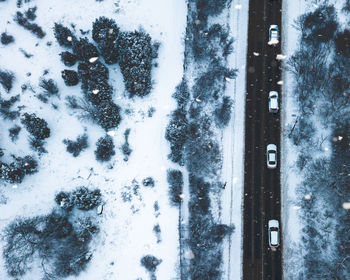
x=261, y=185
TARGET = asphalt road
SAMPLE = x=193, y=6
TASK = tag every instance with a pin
x=261, y=185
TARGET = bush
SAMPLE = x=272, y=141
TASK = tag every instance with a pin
x=6, y=79
x=37, y=145
x=223, y=112
x=32, y=27
x=84, y=199
x=148, y=182
x=105, y=32
x=5, y=106
x=175, y=181
x=135, y=50
x=76, y=147
x=6, y=38
x=84, y=50
x=108, y=115
x=13, y=132
x=105, y=148
x=36, y=126
x=49, y=86
x=70, y=77
x=68, y=58
x=150, y=262
x=31, y=13
x=176, y=134
x=81, y=198
x=16, y=171
x=182, y=94
x=63, y=35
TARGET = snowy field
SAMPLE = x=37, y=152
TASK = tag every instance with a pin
x=126, y=226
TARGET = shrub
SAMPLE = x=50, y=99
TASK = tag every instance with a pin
x=6, y=38
x=70, y=77
x=84, y=50
x=342, y=42
x=148, y=182
x=182, y=94
x=105, y=148
x=13, y=132
x=63, y=35
x=36, y=126
x=150, y=262
x=76, y=147
x=37, y=145
x=84, y=199
x=49, y=86
x=176, y=134
x=135, y=52
x=32, y=27
x=223, y=112
x=64, y=200
x=126, y=147
x=5, y=106
x=175, y=181
x=105, y=32
x=68, y=58
x=31, y=13
x=108, y=115
x=16, y=171
x=6, y=79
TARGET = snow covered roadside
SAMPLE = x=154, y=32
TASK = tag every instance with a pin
x=233, y=145
x=299, y=254
x=289, y=176
x=126, y=227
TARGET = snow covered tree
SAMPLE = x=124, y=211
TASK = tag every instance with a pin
x=150, y=262
x=108, y=115
x=105, y=32
x=26, y=24
x=63, y=35
x=105, y=148
x=76, y=147
x=135, y=50
x=342, y=42
x=84, y=199
x=36, y=126
x=6, y=79
x=223, y=112
x=6, y=38
x=13, y=132
x=49, y=85
x=70, y=77
x=68, y=58
x=175, y=181
x=84, y=50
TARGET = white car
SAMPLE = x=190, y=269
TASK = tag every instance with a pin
x=273, y=35
x=274, y=233
x=273, y=102
x=271, y=154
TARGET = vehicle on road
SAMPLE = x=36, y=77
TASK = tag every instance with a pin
x=273, y=102
x=271, y=154
x=274, y=233
x=273, y=35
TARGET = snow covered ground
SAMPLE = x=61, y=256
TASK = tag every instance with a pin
x=291, y=176
x=126, y=227
x=233, y=145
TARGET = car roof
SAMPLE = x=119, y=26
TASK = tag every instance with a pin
x=274, y=237
x=273, y=223
x=272, y=147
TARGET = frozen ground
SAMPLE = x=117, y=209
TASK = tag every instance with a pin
x=233, y=145
x=126, y=227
